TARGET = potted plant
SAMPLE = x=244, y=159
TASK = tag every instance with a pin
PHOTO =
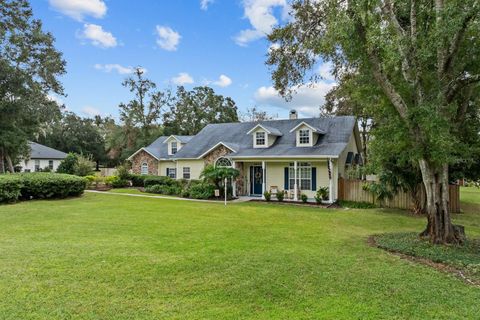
x=280, y=196
x=304, y=198
x=267, y=195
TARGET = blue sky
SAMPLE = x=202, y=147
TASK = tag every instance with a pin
x=219, y=43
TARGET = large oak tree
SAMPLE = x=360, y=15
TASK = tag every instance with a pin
x=424, y=56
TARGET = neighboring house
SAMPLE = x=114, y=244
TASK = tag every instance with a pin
x=41, y=157
x=296, y=155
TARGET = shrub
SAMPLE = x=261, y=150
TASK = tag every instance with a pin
x=202, y=190
x=267, y=195
x=153, y=180
x=67, y=165
x=123, y=172
x=84, y=166
x=280, y=195
x=139, y=179
x=10, y=188
x=90, y=180
x=50, y=185
x=323, y=193
x=164, y=189
x=115, y=182
x=304, y=198
x=40, y=186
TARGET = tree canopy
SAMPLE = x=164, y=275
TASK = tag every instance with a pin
x=29, y=70
x=421, y=56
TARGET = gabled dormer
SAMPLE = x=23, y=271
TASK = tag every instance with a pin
x=306, y=135
x=264, y=136
x=174, y=145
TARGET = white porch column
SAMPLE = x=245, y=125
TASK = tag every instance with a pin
x=234, y=182
x=330, y=177
x=295, y=186
x=264, y=178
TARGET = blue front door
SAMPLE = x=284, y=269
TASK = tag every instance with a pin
x=256, y=180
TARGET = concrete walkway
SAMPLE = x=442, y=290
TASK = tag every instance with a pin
x=167, y=197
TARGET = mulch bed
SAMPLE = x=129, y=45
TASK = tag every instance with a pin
x=299, y=203
x=442, y=267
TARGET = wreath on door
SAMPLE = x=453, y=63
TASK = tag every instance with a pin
x=258, y=176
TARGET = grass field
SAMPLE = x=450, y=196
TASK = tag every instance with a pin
x=118, y=257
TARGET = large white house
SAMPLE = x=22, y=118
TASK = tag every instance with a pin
x=295, y=155
x=41, y=157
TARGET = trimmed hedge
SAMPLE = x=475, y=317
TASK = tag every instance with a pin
x=201, y=190
x=10, y=186
x=38, y=185
x=154, y=180
x=164, y=189
x=138, y=180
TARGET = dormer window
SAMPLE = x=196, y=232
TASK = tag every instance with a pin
x=173, y=147
x=260, y=138
x=264, y=136
x=304, y=136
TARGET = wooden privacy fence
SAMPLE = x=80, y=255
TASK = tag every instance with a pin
x=352, y=190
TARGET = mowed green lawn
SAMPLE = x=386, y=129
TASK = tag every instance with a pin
x=118, y=257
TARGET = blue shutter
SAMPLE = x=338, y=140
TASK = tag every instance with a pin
x=167, y=172
x=285, y=185
x=314, y=179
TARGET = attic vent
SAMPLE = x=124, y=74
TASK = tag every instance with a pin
x=293, y=115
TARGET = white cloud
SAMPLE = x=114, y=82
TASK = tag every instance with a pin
x=90, y=111
x=223, y=81
x=307, y=99
x=325, y=71
x=117, y=67
x=167, y=38
x=205, y=3
x=97, y=36
x=55, y=98
x=78, y=9
x=182, y=78
x=261, y=17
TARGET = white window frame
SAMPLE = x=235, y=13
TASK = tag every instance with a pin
x=308, y=136
x=221, y=165
x=172, y=173
x=187, y=173
x=37, y=165
x=144, y=166
x=257, y=139
x=172, y=152
x=304, y=176
x=50, y=164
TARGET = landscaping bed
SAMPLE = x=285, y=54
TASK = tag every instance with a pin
x=463, y=261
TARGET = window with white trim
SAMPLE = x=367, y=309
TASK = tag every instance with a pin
x=304, y=176
x=304, y=136
x=50, y=164
x=186, y=173
x=260, y=138
x=144, y=170
x=37, y=165
x=173, y=147
x=172, y=173
x=223, y=163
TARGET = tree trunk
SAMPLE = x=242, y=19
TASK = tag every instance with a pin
x=9, y=162
x=440, y=229
x=2, y=162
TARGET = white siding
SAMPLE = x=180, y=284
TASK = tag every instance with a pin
x=30, y=164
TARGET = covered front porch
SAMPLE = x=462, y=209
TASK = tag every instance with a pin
x=294, y=177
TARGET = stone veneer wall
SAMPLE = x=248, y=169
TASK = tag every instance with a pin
x=222, y=151
x=142, y=157
x=241, y=179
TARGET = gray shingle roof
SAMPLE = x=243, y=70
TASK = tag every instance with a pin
x=159, y=149
x=337, y=134
x=39, y=151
